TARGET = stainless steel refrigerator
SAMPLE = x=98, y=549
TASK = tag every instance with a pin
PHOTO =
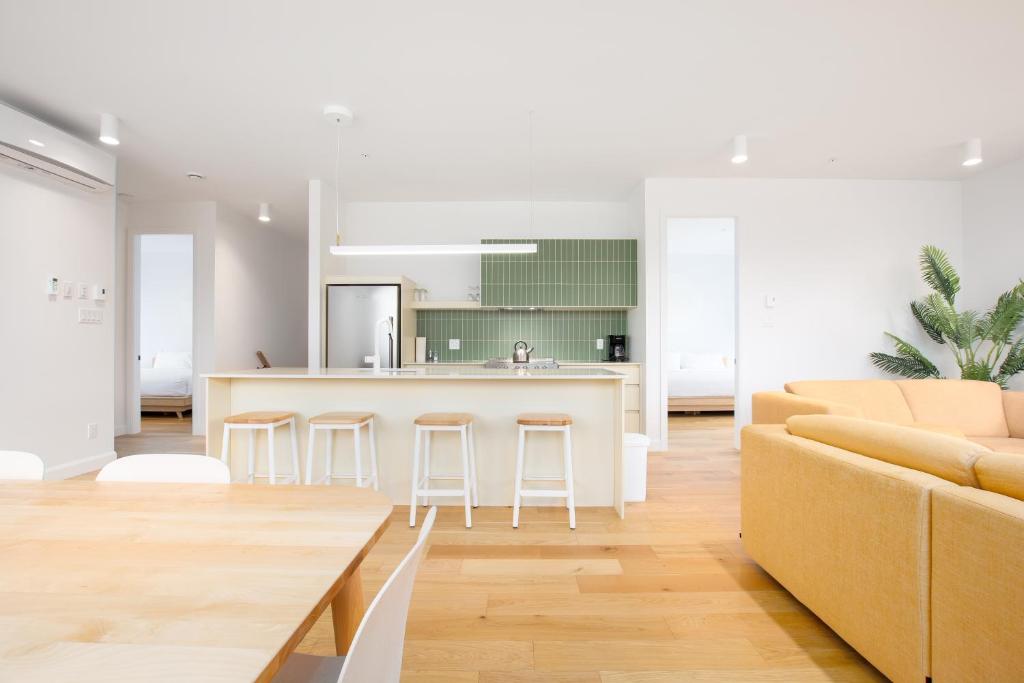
x=359, y=315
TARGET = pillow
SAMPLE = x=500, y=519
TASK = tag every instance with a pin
x=675, y=361
x=172, y=359
x=703, y=361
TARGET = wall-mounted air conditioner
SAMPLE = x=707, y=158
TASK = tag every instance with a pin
x=39, y=147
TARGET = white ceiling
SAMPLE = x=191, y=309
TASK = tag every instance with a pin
x=442, y=89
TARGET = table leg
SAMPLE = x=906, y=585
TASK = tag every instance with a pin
x=347, y=611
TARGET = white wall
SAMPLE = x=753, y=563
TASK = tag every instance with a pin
x=459, y=222
x=58, y=374
x=700, y=287
x=165, y=322
x=260, y=294
x=839, y=255
x=993, y=237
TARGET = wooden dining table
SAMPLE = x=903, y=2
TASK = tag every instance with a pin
x=113, y=581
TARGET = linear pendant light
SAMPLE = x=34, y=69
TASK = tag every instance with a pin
x=342, y=116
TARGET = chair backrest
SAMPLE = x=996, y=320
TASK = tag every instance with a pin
x=20, y=465
x=179, y=468
x=376, y=651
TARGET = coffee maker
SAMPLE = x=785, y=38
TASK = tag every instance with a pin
x=617, y=348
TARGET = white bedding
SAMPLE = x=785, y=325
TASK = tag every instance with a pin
x=701, y=382
x=165, y=381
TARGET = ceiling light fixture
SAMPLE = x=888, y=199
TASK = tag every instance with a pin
x=35, y=142
x=739, y=149
x=108, y=130
x=972, y=152
x=342, y=117
x=264, y=212
x=192, y=175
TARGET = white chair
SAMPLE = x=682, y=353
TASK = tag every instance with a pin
x=426, y=425
x=545, y=422
x=178, y=468
x=376, y=651
x=262, y=421
x=343, y=421
x=21, y=465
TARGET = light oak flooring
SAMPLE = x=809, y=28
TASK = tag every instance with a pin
x=161, y=434
x=665, y=595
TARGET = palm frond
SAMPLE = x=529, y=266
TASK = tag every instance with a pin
x=1003, y=319
x=929, y=322
x=966, y=333
x=978, y=370
x=1013, y=363
x=908, y=361
x=939, y=315
x=938, y=272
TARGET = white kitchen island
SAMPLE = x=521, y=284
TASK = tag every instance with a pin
x=593, y=396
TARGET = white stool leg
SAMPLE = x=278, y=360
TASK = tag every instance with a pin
x=466, y=486
x=472, y=465
x=568, y=478
x=271, y=465
x=251, y=474
x=415, y=477
x=310, y=447
x=518, y=500
x=225, y=445
x=358, y=448
x=295, y=452
x=329, y=459
x=373, y=458
x=427, y=438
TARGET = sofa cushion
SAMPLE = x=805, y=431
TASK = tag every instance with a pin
x=1001, y=473
x=877, y=399
x=1013, y=408
x=974, y=407
x=937, y=454
x=1000, y=444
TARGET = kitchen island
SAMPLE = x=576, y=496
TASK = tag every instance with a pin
x=593, y=396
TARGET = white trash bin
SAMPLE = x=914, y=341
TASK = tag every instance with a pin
x=634, y=467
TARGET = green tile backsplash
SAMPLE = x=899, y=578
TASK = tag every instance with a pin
x=571, y=272
x=562, y=335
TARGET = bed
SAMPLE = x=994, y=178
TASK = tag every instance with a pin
x=167, y=386
x=700, y=383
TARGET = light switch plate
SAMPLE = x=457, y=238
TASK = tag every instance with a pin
x=599, y=344
x=90, y=316
x=91, y=430
x=83, y=290
x=67, y=289
x=769, y=301
x=454, y=344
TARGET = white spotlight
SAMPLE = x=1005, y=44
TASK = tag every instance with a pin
x=108, y=130
x=265, y=212
x=972, y=152
x=739, y=149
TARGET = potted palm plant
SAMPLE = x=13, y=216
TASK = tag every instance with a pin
x=984, y=345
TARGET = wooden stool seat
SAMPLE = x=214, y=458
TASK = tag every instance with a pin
x=259, y=417
x=341, y=418
x=544, y=419
x=444, y=419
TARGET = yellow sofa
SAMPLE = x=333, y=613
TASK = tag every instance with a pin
x=908, y=543
x=979, y=411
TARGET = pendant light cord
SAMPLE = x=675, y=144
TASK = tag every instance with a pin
x=531, y=173
x=337, y=190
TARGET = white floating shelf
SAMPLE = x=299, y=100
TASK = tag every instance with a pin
x=444, y=305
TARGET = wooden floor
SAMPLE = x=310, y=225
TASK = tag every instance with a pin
x=161, y=434
x=665, y=595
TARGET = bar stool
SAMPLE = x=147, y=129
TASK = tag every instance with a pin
x=427, y=424
x=253, y=422
x=545, y=422
x=342, y=421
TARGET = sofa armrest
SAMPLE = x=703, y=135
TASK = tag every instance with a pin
x=775, y=407
x=1013, y=406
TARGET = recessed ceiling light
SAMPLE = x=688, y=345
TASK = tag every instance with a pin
x=972, y=152
x=33, y=141
x=264, y=212
x=195, y=176
x=739, y=149
x=108, y=130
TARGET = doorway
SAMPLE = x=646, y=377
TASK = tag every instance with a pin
x=164, y=319
x=699, y=331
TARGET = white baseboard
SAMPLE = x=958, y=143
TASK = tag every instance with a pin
x=658, y=446
x=80, y=466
